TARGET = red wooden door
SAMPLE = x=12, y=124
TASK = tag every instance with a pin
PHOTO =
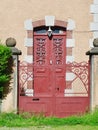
x=49, y=69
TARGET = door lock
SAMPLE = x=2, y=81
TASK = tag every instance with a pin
x=57, y=88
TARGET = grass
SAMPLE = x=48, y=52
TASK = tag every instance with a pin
x=26, y=120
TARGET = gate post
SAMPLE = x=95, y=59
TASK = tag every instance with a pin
x=11, y=43
x=93, y=58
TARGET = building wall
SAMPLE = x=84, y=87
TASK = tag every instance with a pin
x=13, y=14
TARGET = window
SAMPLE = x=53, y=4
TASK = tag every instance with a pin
x=55, y=30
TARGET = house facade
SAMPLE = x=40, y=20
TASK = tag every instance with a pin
x=53, y=37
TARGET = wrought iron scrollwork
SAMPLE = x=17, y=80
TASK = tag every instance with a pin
x=81, y=72
x=25, y=76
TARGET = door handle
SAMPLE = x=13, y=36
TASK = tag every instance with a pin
x=50, y=62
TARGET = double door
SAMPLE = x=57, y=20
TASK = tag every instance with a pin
x=49, y=65
x=49, y=73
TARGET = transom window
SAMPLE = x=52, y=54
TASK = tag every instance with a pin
x=44, y=29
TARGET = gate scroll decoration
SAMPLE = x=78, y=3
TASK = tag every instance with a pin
x=80, y=73
x=25, y=76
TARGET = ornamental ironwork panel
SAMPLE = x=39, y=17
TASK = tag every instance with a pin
x=58, y=51
x=79, y=82
x=25, y=77
x=40, y=50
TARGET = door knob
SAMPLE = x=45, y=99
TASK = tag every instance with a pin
x=50, y=62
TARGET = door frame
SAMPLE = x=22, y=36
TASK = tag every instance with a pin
x=49, y=53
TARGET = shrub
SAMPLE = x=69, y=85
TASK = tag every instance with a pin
x=5, y=69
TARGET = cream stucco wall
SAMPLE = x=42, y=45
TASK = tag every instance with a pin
x=13, y=13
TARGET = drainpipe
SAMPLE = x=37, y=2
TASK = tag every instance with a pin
x=11, y=43
x=92, y=53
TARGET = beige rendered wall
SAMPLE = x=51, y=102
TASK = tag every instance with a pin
x=13, y=13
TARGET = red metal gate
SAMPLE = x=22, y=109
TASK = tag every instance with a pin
x=43, y=85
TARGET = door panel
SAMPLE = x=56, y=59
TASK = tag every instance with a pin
x=41, y=52
x=58, y=44
x=41, y=66
x=58, y=49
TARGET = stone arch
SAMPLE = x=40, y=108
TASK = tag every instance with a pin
x=56, y=23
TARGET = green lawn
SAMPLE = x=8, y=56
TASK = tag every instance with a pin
x=11, y=121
